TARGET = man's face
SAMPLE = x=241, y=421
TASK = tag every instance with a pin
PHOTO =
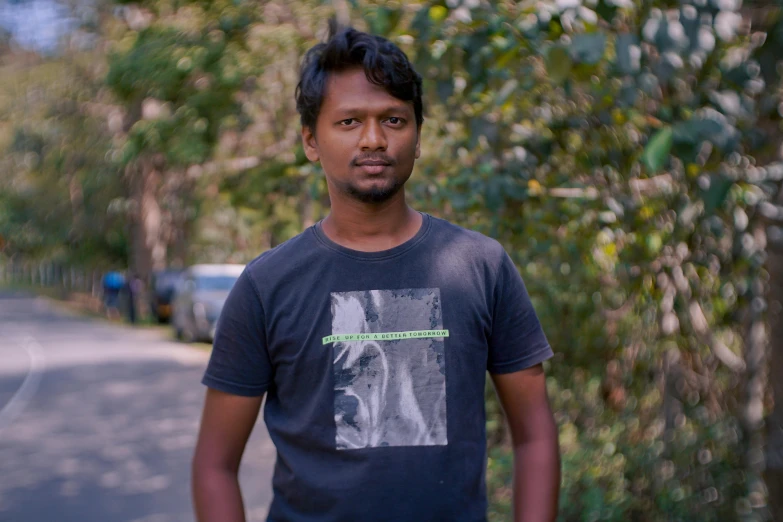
x=365, y=138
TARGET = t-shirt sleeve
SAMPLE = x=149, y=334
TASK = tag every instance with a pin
x=240, y=362
x=517, y=340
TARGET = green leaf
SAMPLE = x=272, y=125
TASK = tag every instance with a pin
x=383, y=20
x=438, y=13
x=459, y=201
x=657, y=150
x=558, y=64
x=588, y=48
x=654, y=243
x=716, y=129
x=444, y=88
x=493, y=197
x=482, y=127
x=716, y=195
x=606, y=10
x=622, y=45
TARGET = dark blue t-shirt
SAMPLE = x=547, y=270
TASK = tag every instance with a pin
x=374, y=365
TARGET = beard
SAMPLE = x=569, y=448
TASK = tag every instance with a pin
x=375, y=194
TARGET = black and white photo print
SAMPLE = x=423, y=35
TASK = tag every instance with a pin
x=389, y=368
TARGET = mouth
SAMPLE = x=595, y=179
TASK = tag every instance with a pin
x=373, y=167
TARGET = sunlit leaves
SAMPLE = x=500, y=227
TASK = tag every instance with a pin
x=606, y=152
x=656, y=153
x=558, y=64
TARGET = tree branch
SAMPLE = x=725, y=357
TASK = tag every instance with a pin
x=722, y=352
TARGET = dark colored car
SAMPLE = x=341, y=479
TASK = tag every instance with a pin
x=199, y=300
x=162, y=289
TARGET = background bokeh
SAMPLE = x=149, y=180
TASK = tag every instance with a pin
x=627, y=153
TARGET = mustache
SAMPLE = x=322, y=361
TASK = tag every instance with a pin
x=372, y=158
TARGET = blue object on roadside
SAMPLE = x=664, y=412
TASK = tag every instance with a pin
x=113, y=280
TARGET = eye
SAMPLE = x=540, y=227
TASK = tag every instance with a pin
x=347, y=122
x=394, y=120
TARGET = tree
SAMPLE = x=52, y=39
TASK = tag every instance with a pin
x=60, y=190
x=176, y=70
x=615, y=150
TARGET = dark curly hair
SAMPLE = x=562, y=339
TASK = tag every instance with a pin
x=384, y=64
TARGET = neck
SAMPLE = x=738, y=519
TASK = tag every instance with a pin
x=371, y=226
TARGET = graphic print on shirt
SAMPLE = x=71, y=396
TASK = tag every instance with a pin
x=389, y=368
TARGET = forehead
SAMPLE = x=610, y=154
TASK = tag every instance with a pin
x=351, y=90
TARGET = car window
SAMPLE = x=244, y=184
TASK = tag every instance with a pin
x=215, y=282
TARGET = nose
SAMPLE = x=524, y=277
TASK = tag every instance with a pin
x=372, y=136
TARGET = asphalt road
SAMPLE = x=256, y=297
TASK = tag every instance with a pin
x=98, y=421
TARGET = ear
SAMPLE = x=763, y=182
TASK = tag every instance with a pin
x=309, y=144
x=418, y=142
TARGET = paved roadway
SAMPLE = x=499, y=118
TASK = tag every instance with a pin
x=98, y=421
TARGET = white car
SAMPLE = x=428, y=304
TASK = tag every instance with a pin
x=199, y=299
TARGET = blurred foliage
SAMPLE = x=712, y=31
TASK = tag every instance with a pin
x=624, y=152
x=619, y=153
x=60, y=194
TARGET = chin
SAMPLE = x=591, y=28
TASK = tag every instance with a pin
x=375, y=194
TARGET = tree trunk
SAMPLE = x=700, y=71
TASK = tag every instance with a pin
x=179, y=242
x=774, y=451
x=149, y=249
x=764, y=17
x=77, y=201
x=179, y=224
x=753, y=404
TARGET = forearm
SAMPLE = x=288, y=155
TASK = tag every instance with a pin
x=216, y=496
x=536, y=480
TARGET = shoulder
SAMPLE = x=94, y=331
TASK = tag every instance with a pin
x=287, y=257
x=470, y=244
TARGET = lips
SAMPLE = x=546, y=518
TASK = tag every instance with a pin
x=373, y=167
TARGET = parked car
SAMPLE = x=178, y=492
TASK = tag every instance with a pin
x=199, y=299
x=162, y=288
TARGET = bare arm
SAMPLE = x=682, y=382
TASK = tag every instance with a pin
x=534, y=435
x=226, y=425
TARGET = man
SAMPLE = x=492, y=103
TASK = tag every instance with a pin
x=113, y=282
x=372, y=331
